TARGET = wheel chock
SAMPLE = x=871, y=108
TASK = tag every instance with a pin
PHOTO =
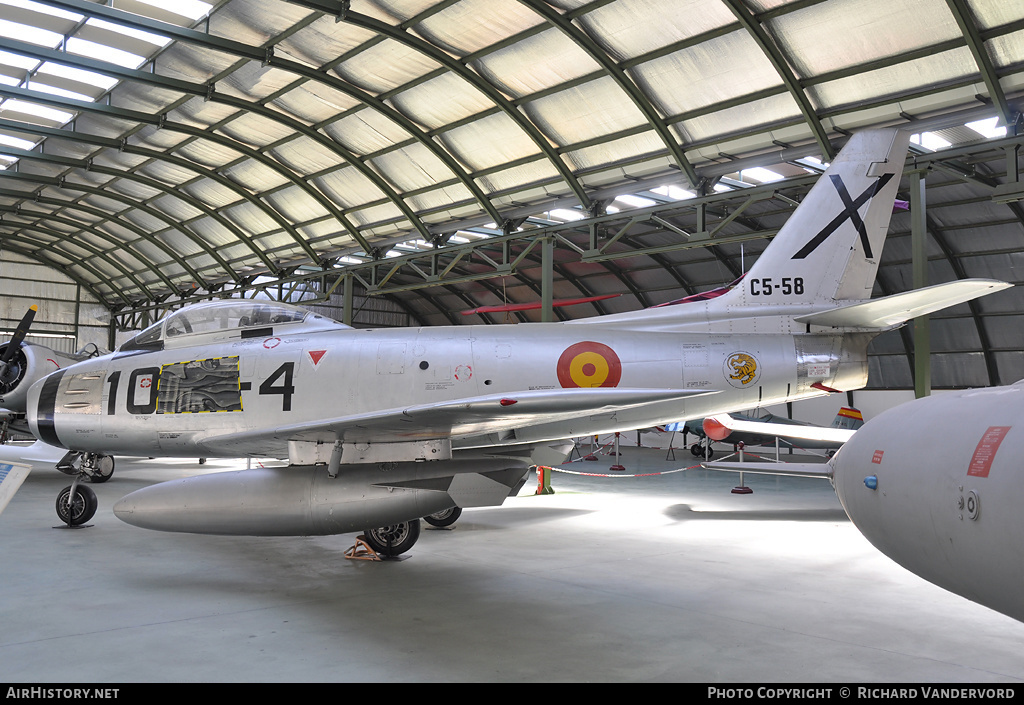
x=361, y=551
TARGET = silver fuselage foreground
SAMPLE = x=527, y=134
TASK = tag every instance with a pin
x=946, y=506
x=144, y=402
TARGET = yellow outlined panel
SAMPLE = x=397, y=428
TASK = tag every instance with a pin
x=199, y=386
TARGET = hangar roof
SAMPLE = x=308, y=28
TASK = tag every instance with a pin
x=155, y=155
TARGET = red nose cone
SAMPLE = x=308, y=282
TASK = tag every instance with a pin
x=715, y=431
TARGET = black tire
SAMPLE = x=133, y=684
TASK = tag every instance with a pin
x=104, y=470
x=395, y=539
x=82, y=509
x=696, y=450
x=444, y=518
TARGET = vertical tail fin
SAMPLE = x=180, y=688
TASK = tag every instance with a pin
x=829, y=249
x=848, y=418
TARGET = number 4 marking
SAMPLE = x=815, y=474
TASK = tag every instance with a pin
x=286, y=389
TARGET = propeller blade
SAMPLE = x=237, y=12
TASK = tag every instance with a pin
x=19, y=335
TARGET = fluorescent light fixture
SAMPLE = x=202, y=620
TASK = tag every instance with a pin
x=566, y=214
x=674, y=192
x=761, y=175
x=636, y=201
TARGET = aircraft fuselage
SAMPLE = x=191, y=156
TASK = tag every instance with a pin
x=168, y=401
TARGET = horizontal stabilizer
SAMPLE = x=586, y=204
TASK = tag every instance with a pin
x=828, y=434
x=892, y=310
x=11, y=477
x=823, y=470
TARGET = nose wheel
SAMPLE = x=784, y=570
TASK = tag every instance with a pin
x=76, y=504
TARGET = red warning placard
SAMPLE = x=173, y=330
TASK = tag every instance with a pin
x=985, y=453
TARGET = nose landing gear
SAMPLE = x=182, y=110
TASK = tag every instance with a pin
x=77, y=503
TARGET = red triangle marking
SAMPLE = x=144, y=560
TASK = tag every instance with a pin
x=316, y=356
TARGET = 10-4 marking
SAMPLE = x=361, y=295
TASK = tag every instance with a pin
x=280, y=382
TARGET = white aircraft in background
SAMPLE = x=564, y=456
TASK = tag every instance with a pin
x=769, y=428
x=382, y=427
x=916, y=491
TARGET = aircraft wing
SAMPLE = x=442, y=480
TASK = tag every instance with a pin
x=11, y=477
x=890, y=311
x=491, y=413
x=38, y=453
x=782, y=430
x=823, y=470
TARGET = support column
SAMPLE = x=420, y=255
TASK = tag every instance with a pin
x=919, y=249
x=346, y=310
x=547, y=283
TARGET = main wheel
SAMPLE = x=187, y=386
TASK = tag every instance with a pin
x=81, y=509
x=444, y=518
x=103, y=470
x=395, y=539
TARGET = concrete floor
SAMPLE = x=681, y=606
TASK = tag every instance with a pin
x=668, y=577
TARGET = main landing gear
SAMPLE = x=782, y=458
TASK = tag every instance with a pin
x=396, y=539
x=443, y=518
x=702, y=449
x=393, y=540
x=76, y=504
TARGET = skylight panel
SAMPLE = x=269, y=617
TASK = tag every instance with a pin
x=83, y=47
x=43, y=9
x=40, y=111
x=987, y=128
x=63, y=93
x=193, y=9
x=930, y=140
x=32, y=35
x=16, y=142
x=80, y=75
x=18, y=61
x=155, y=39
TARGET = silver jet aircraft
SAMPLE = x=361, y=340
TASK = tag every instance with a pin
x=382, y=427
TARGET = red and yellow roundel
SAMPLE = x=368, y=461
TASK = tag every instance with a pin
x=589, y=364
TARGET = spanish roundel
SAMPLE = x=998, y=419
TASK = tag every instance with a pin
x=589, y=364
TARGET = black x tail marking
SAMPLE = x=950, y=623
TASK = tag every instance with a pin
x=850, y=212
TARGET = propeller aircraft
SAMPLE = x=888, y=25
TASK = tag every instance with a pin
x=383, y=427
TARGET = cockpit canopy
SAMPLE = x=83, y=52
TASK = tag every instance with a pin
x=226, y=316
